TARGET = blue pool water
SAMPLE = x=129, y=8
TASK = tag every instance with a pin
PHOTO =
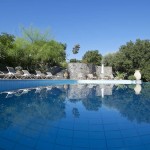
x=76, y=117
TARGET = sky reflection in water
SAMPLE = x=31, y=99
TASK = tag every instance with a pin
x=76, y=117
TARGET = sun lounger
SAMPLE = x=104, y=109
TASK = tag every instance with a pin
x=2, y=75
x=49, y=75
x=40, y=75
x=12, y=73
x=27, y=75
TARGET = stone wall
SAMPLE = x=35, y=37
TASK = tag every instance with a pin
x=75, y=69
x=107, y=72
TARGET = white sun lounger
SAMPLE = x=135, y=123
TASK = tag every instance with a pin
x=27, y=75
x=12, y=73
x=49, y=75
x=2, y=75
x=40, y=75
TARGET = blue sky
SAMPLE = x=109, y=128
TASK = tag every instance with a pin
x=102, y=25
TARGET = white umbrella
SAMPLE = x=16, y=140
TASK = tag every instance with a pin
x=102, y=68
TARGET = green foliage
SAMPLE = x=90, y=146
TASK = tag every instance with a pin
x=146, y=70
x=120, y=75
x=130, y=57
x=131, y=77
x=30, y=54
x=33, y=34
x=93, y=57
x=6, y=45
x=7, y=40
x=45, y=54
x=74, y=60
x=109, y=59
x=75, y=49
x=64, y=64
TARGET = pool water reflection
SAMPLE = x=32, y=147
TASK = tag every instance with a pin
x=75, y=117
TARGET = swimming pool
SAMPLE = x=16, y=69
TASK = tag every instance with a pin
x=76, y=117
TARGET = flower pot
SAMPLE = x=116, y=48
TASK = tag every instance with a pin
x=137, y=74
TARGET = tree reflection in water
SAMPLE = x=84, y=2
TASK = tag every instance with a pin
x=129, y=104
x=75, y=112
x=28, y=107
x=50, y=105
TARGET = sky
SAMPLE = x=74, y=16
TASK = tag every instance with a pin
x=102, y=25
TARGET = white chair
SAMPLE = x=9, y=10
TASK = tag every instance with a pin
x=12, y=73
x=49, y=75
x=40, y=75
x=27, y=75
x=2, y=74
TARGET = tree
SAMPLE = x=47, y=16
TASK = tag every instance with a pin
x=6, y=44
x=33, y=51
x=75, y=49
x=38, y=50
x=109, y=59
x=39, y=54
x=33, y=34
x=75, y=61
x=132, y=56
x=93, y=57
x=7, y=39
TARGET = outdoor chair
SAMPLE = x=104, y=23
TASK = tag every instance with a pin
x=40, y=75
x=49, y=75
x=27, y=75
x=2, y=75
x=12, y=73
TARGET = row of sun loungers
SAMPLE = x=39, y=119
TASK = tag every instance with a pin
x=39, y=75
x=26, y=75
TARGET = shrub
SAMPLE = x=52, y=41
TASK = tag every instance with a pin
x=131, y=77
x=120, y=75
x=74, y=61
